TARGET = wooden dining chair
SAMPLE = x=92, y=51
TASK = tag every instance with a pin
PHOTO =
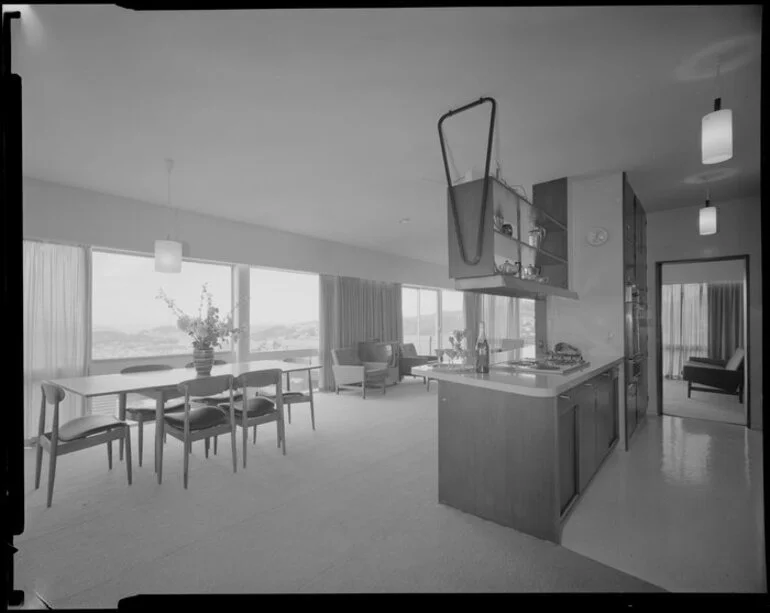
x=296, y=397
x=74, y=435
x=219, y=397
x=259, y=409
x=196, y=423
x=143, y=410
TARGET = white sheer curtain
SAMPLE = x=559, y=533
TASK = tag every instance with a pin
x=56, y=330
x=684, y=319
x=500, y=315
x=354, y=310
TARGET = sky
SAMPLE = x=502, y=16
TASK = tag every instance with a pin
x=125, y=287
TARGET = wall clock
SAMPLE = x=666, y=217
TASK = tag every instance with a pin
x=597, y=236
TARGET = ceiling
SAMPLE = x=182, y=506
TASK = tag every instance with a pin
x=323, y=122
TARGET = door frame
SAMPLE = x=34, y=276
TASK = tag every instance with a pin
x=659, y=328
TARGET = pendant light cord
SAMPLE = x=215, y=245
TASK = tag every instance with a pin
x=169, y=167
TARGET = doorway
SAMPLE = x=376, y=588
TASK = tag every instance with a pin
x=703, y=339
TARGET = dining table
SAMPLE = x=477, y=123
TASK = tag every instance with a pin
x=163, y=385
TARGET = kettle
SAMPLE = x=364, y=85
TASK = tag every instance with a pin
x=530, y=272
x=509, y=268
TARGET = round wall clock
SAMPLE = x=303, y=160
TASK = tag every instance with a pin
x=597, y=236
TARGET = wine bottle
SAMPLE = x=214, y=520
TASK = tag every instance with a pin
x=482, y=351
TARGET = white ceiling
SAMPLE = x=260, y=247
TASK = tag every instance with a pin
x=323, y=122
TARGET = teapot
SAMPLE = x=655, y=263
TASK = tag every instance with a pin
x=537, y=236
x=509, y=268
x=530, y=272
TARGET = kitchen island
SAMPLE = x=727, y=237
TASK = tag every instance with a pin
x=519, y=448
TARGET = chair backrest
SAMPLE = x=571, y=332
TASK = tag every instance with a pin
x=259, y=378
x=378, y=352
x=408, y=350
x=145, y=368
x=347, y=356
x=216, y=363
x=52, y=394
x=735, y=362
x=206, y=386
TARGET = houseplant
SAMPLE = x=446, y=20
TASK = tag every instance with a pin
x=457, y=354
x=207, y=331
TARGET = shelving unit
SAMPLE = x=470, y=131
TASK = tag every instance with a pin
x=550, y=258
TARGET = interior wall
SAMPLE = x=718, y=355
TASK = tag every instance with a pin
x=594, y=322
x=673, y=235
x=703, y=272
x=68, y=214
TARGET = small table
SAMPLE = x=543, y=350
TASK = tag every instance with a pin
x=162, y=385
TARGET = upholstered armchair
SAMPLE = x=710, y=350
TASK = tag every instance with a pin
x=409, y=358
x=721, y=377
x=350, y=372
x=379, y=352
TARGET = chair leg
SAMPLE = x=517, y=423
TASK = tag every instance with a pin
x=235, y=450
x=207, y=447
x=278, y=433
x=38, y=463
x=427, y=383
x=288, y=407
x=283, y=435
x=128, y=454
x=245, y=442
x=312, y=414
x=140, y=437
x=186, y=461
x=689, y=388
x=216, y=438
x=384, y=385
x=255, y=435
x=109, y=454
x=51, y=474
x=363, y=389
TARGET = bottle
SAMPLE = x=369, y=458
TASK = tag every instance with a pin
x=482, y=352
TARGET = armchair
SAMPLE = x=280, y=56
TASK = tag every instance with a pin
x=409, y=359
x=721, y=377
x=381, y=352
x=350, y=372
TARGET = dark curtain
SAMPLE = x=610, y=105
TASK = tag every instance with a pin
x=725, y=315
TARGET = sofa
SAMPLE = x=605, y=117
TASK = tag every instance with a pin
x=409, y=358
x=721, y=377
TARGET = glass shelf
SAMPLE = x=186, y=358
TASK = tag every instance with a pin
x=526, y=248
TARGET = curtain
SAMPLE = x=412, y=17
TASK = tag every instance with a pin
x=500, y=315
x=354, y=310
x=684, y=320
x=725, y=317
x=56, y=330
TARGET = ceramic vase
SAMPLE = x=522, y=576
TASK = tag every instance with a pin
x=203, y=359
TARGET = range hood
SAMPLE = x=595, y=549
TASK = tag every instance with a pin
x=499, y=242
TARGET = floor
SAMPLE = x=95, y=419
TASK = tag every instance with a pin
x=352, y=508
x=701, y=405
x=682, y=508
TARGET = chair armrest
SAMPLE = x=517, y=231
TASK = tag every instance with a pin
x=375, y=365
x=348, y=374
x=708, y=361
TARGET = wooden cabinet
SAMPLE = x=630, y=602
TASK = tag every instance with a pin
x=538, y=239
x=631, y=411
x=585, y=399
x=568, y=442
x=606, y=412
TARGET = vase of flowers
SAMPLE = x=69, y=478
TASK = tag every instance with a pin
x=457, y=354
x=207, y=330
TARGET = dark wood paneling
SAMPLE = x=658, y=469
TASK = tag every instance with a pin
x=497, y=457
x=585, y=399
x=567, y=454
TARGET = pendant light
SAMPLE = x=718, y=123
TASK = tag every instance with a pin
x=716, y=139
x=168, y=253
x=707, y=219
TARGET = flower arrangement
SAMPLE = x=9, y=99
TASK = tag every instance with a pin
x=456, y=341
x=206, y=331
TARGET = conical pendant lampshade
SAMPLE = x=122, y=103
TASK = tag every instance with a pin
x=168, y=253
x=716, y=143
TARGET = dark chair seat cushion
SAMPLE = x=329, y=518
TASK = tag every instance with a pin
x=200, y=418
x=80, y=427
x=287, y=396
x=256, y=407
x=146, y=408
x=223, y=397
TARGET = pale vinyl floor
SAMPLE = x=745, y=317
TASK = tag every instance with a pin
x=351, y=508
x=683, y=508
x=701, y=405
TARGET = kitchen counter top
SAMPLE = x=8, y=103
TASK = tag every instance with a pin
x=541, y=385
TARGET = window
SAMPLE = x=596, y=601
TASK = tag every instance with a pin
x=452, y=315
x=527, y=326
x=419, y=312
x=283, y=310
x=127, y=319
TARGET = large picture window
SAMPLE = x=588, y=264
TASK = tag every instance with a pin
x=283, y=310
x=127, y=319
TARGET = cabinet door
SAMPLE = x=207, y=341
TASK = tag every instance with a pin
x=585, y=399
x=568, y=438
x=641, y=394
x=606, y=411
